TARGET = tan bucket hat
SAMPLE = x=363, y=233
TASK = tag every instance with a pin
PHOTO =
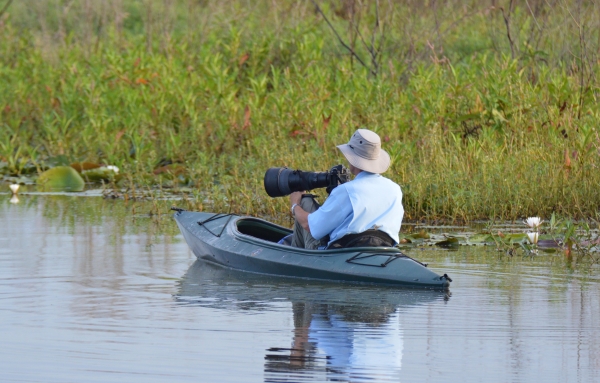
x=364, y=152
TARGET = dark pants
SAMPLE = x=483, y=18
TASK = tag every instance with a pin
x=302, y=238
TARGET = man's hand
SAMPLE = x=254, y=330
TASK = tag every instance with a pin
x=295, y=198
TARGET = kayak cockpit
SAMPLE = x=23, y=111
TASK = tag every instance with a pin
x=261, y=229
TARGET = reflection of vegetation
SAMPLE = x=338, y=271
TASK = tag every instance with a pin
x=486, y=111
x=118, y=217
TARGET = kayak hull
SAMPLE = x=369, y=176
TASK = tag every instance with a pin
x=250, y=244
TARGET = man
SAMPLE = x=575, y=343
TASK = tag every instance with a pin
x=366, y=211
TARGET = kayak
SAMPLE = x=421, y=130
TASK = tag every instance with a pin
x=251, y=244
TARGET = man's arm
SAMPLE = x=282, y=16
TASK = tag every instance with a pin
x=330, y=215
x=300, y=214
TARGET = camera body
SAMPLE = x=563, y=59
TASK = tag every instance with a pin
x=280, y=182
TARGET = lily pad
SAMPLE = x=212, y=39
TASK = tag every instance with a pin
x=515, y=237
x=409, y=239
x=481, y=239
x=422, y=234
x=83, y=166
x=99, y=174
x=60, y=178
x=449, y=242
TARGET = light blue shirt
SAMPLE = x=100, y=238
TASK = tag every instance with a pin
x=370, y=201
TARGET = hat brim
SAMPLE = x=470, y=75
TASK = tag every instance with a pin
x=380, y=165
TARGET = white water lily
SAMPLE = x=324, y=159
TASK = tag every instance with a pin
x=14, y=188
x=113, y=168
x=533, y=237
x=533, y=222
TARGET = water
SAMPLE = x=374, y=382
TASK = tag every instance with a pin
x=95, y=290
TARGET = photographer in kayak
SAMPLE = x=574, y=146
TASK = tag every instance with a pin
x=366, y=211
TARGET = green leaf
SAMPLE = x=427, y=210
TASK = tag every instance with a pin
x=450, y=242
x=60, y=178
x=498, y=115
x=515, y=237
x=481, y=239
x=98, y=174
x=422, y=234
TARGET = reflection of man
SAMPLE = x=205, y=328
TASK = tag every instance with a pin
x=342, y=343
x=366, y=211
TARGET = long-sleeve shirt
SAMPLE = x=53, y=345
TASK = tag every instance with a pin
x=370, y=201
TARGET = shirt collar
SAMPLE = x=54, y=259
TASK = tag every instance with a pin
x=364, y=174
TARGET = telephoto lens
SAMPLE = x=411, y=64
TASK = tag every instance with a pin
x=280, y=182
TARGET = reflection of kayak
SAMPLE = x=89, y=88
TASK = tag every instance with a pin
x=250, y=244
x=207, y=284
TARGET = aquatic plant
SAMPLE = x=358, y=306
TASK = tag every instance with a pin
x=60, y=178
x=209, y=95
x=534, y=222
x=533, y=237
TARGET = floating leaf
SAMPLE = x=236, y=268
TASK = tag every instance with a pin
x=481, y=238
x=82, y=166
x=515, y=237
x=408, y=239
x=104, y=173
x=422, y=234
x=60, y=178
x=449, y=242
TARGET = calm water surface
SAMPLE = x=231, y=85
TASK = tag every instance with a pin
x=93, y=290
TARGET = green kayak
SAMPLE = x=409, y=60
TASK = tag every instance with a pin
x=251, y=244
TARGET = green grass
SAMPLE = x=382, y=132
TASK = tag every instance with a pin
x=224, y=90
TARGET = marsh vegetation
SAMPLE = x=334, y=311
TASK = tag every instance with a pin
x=488, y=108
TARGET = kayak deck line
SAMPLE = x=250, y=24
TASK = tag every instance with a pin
x=361, y=255
x=214, y=217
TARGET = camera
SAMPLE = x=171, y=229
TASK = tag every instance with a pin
x=280, y=182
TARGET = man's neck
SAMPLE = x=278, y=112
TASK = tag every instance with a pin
x=354, y=170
